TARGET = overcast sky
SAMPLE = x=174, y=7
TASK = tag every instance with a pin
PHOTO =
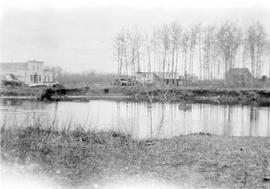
x=78, y=35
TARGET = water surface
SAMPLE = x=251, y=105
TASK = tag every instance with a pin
x=141, y=120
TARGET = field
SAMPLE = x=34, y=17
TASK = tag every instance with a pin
x=79, y=157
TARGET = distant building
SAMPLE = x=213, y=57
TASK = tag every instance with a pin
x=166, y=78
x=147, y=77
x=30, y=72
x=239, y=77
x=124, y=81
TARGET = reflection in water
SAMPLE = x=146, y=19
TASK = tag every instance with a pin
x=150, y=115
x=141, y=120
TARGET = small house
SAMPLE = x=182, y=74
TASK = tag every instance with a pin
x=147, y=77
x=239, y=77
x=167, y=78
x=188, y=79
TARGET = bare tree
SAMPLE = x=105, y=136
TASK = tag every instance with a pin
x=184, y=43
x=165, y=40
x=199, y=29
x=260, y=45
x=255, y=42
x=132, y=52
x=229, y=39
x=206, y=51
x=250, y=45
x=176, y=30
x=120, y=45
x=192, y=43
x=147, y=43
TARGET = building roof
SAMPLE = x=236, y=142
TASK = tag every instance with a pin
x=238, y=71
x=34, y=61
x=167, y=75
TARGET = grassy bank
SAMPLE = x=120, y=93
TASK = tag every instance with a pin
x=19, y=91
x=258, y=97
x=81, y=157
x=243, y=96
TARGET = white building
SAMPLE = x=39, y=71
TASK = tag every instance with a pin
x=30, y=72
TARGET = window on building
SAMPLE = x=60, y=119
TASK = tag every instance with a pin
x=31, y=77
x=39, y=77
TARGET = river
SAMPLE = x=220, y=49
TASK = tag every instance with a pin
x=141, y=120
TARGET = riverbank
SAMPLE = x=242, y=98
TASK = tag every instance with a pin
x=82, y=158
x=230, y=96
x=72, y=98
x=242, y=96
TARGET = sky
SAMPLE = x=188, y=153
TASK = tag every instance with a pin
x=78, y=35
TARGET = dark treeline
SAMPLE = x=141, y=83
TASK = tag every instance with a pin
x=206, y=51
x=83, y=79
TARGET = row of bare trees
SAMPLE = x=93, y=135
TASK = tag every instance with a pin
x=206, y=51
